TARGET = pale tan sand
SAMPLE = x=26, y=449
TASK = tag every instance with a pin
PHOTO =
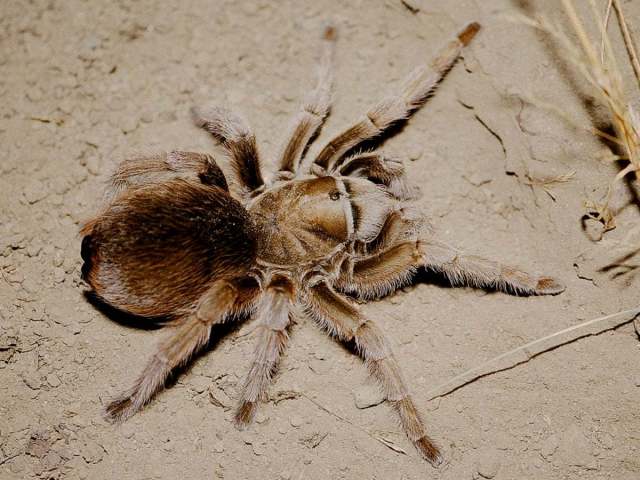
x=85, y=84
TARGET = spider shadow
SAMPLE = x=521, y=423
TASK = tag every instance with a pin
x=377, y=142
x=429, y=277
x=623, y=266
x=218, y=331
x=397, y=126
x=122, y=317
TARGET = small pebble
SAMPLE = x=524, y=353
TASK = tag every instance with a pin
x=594, y=229
x=368, y=396
x=296, y=421
x=258, y=449
x=35, y=192
x=30, y=285
x=93, y=165
x=58, y=259
x=414, y=153
x=58, y=275
x=488, y=468
x=146, y=117
x=32, y=380
x=218, y=446
x=199, y=384
x=33, y=249
x=549, y=447
x=53, y=380
x=261, y=418
x=15, y=277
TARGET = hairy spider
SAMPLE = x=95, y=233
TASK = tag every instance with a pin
x=176, y=242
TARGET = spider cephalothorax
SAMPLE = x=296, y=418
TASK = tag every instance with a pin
x=176, y=242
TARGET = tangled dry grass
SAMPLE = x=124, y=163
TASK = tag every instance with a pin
x=603, y=74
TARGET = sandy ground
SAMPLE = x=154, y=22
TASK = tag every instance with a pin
x=85, y=84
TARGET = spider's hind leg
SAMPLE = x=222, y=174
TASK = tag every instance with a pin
x=342, y=319
x=236, y=137
x=274, y=316
x=189, y=334
x=142, y=170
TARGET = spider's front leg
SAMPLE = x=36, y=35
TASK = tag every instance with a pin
x=464, y=269
x=342, y=319
x=382, y=170
x=313, y=111
x=397, y=255
x=386, y=263
x=415, y=90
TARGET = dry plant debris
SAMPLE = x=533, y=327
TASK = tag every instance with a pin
x=604, y=76
x=526, y=352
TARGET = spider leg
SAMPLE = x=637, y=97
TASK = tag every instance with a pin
x=384, y=272
x=401, y=226
x=415, y=90
x=237, y=138
x=189, y=334
x=379, y=275
x=463, y=269
x=343, y=320
x=142, y=170
x=274, y=316
x=380, y=169
x=313, y=111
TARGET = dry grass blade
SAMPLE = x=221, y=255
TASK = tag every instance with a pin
x=605, y=25
x=378, y=438
x=548, y=182
x=530, y=99
x=388, y=443
x=628, y=41
x=526, y=352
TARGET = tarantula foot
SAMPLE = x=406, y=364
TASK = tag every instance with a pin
x=120, y=409
x=549, y=286
x=245, y=413
x=429, y=451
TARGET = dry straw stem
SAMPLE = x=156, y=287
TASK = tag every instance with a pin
x=524, y=353
x=548, y=182
x=377, y=437
x=628, y=41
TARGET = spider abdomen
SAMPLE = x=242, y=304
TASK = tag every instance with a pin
x=156, y=249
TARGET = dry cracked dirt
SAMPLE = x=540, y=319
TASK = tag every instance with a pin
x=85, y=84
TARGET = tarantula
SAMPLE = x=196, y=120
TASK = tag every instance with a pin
x=176, y=242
